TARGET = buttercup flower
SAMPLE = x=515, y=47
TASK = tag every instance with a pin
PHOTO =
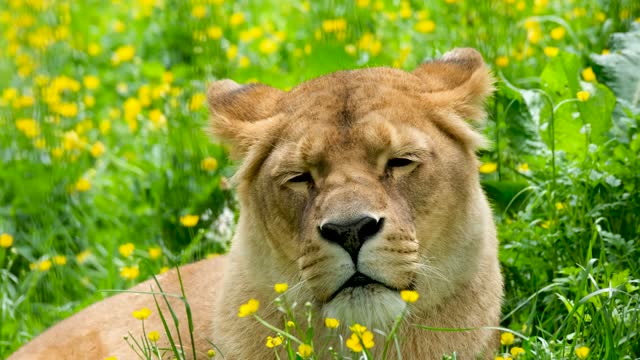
x=211, y=353
x=583, y=95
x=153, y=335
x=359, y=341
x=588, y=74
x=189, y=220
x=409, y=296
x=130, y=272
x=249, y=308
x=142, y=313
x=516, y=351
x=280, y=287
x=582, y=352
x=60, y=260
x=126, y=249
x=155, y=252
x=331, y=323
x=488, y=168
x=502, y=61
x=209, y=164
x=506, y=338
x=6, y=240
x=305, y=350
x=273, y=341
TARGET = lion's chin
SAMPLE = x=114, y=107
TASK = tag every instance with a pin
x=373, y=305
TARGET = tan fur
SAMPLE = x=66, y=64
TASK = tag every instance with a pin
x=438, y=236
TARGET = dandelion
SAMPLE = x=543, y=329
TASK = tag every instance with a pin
x=6, y=240
x=582, y=352
x=199, y=11
x=502, y=61
x=280, y=287
x=516, y=351
x=189, y=220
x=409, y=296
x=425, y=26
x=331, y=323
x=60, y=260
x=91, y=82
x=154, y=252
x=45, y=265
x=506, y=338
x=249, y=308
x=126, y=249
x=273, y=341
x=211, y=353
x=305, y=350
x=488, y=168
x=153, y=335
x=583, y=95
x=588, y=74
x=551, y=51
x=141, y=314
x=129, y=272
x=558, y=33
x=82, y=185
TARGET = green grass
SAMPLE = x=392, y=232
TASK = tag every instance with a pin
x=565, y=187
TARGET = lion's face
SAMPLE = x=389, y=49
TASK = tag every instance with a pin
x=358, y=178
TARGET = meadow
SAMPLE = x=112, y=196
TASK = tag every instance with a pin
x=107, y=175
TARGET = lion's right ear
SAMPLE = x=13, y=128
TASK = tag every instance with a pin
x=241, y=113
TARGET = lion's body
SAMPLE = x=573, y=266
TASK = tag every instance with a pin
x=353, y=186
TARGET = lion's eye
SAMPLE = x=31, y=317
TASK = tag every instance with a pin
x=399, y=162
x=302, y=178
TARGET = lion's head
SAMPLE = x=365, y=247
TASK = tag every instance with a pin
x=362, y=183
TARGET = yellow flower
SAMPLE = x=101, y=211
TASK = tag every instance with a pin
x=232, y=52
x=560, y=206
x=358, y=329
x=588, y=74
x=6, y=240
x=211, y=353
x=82, y=185
x=89, y=101
x=197, y=101
x=248, y=308
x=425, y=26
x=359, y=341
x=502, y=61
x=153, y=335
x=583, y=95
x=60, y=260
x=273, y=341
x=129, y=272
x=305, y=350
x=209, y=164
x=500, y=358
x=199, y=11
x=214, y=32
x=534, y=35
x=268, y=46
x=141, y=314
x=157, y=118
x=516, y=351
x=244, y=62
x=122, y=54
x=582, y=352
x=558, y=33
x=111, y=358
x=97, y=149
x=236, y=19
x=488, y=168
x=506, y=338
x=44, y=265
x=155, y=252
x=164, y=269
x=189, y=220
x=291, y=324
x=91, y=82
x=126, y=249
x=118, y=26
x=280, y=287
x=93, y=49
x=29, y=127
x=524, y=167
x=409, y=296
x=362, y=3
x=83, y=256
x=331, y=323
x=551, y=51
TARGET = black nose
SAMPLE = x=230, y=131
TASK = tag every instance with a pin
x=353, y=234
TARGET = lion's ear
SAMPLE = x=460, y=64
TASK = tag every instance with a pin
x=241, y=113
x=460, y=81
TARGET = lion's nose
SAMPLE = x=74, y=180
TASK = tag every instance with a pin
x=351, y=235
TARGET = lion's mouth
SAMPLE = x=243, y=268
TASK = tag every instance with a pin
x=357, y=280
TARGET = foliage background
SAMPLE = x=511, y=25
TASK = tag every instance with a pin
x=103, y=153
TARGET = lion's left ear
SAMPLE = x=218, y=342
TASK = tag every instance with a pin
x=459, y=81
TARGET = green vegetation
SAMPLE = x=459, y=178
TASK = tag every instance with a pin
x=107, y=177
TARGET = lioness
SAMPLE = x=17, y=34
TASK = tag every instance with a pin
x=353, y=186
